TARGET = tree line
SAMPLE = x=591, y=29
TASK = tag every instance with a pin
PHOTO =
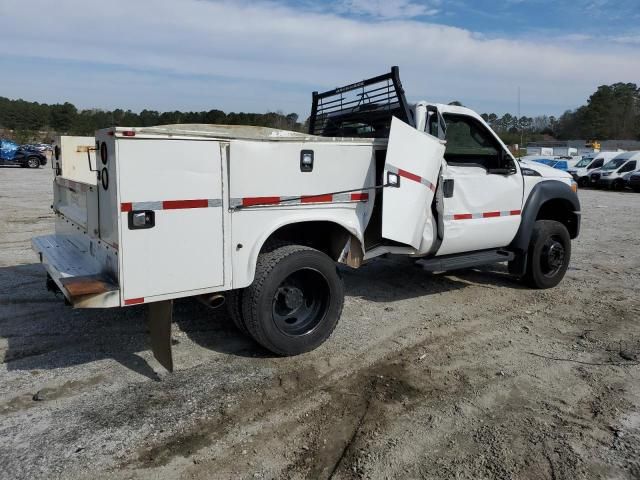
x=611, y=113
x=31, y=121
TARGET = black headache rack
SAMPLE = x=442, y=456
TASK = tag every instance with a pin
x=362, y=109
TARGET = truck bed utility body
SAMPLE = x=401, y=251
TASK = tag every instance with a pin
x=262, y=215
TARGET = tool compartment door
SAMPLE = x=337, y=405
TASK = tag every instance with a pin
x=415, y=157
x=178, y=184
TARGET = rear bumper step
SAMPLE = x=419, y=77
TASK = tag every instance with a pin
x=76, y=273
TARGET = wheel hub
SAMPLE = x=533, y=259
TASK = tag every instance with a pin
x=300, y=302
x=293, y=298
x=553, y=257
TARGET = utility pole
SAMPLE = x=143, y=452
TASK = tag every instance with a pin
x=519, y=121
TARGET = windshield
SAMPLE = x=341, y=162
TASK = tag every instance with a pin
x=584, y=162
x=614, y=164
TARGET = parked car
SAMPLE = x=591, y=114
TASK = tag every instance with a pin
x=633, y=181
x=13, y=154
x=572, y=160
x=581, y=171
x=610, y=175
x=41, y=147
x=554, y=163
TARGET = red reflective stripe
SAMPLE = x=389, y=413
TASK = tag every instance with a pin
x=359, y=197
x=409, y=175
x=128, y=133
x=251, y=201
x=180, y=204
x=126, y=207
x=515, y=212
x=463, y=216
x=490, y=214
x=134, y=301
x=316, y=198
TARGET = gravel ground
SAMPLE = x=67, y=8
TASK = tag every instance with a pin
x=465, y=375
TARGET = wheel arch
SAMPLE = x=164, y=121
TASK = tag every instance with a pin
x=548, y=200
x=327, y=234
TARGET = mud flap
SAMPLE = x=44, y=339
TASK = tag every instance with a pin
x=159, y=319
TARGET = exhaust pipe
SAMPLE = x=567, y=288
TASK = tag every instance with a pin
x=213, y=300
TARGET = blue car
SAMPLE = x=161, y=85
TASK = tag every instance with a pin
x=13, y=154
x=552, y=162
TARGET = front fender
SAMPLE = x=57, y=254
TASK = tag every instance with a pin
x=543, y=192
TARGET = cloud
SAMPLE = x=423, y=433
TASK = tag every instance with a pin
x=627, y=39
x=279, y=51
x=388, y=9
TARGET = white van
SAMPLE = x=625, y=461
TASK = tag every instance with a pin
x=610, y=175
x=581, y=170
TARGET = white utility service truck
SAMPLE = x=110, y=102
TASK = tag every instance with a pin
x=261, y=217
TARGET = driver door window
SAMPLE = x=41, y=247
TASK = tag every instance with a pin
x=470, y=144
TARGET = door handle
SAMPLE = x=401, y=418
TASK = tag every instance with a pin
x=447, y=187
x=141, y=219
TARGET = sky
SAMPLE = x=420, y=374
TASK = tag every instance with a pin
x=269, y=55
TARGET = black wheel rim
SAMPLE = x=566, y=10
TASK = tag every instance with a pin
x=300, y=302
x=553, y=256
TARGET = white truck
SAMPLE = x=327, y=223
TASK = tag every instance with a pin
x=260, y=217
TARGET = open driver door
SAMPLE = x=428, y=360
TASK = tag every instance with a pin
x=411, y=170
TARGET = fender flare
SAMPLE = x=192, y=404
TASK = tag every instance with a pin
x=540, y=194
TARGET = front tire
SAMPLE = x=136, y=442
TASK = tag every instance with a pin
x=33, y=162
x=295, y=300
x=549, y=254
x=583, y=182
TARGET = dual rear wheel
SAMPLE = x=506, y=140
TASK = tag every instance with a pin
x=294, y=302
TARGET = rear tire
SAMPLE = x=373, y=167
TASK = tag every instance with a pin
x=295, y=300
x=234, y=308
x=549, y=254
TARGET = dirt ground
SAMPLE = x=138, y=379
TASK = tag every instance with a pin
x=465, y=375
